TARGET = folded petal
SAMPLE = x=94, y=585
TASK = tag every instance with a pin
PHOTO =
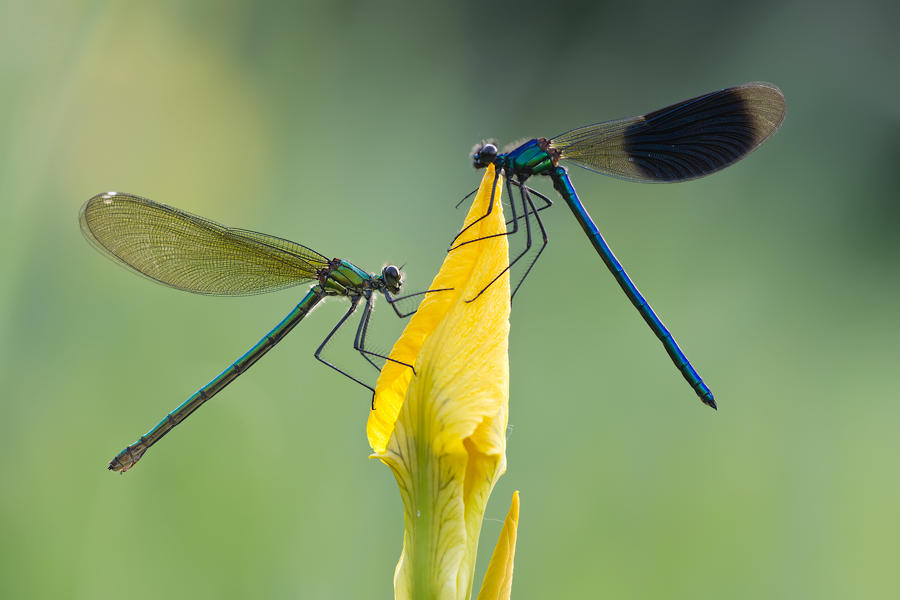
x=465, y=272
x=442, y=429
x=497, y=584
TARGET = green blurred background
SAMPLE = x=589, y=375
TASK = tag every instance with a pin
x=346, y=126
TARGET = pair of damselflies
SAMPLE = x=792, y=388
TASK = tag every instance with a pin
x=681, y=142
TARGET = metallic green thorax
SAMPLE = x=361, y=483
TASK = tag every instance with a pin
x=343, y=277
x=531, y=158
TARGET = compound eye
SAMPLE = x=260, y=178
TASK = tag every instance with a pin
x=391, y=276
x=484, y=155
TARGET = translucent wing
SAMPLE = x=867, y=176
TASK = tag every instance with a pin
x=191, y=253
x=684, y=141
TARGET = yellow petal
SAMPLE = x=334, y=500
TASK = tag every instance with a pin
x=460, y=270
x=444, y=426
x=497, y=583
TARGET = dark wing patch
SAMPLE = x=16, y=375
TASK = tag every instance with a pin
x=684, y=141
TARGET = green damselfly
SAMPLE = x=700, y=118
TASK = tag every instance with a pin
x=190, y=253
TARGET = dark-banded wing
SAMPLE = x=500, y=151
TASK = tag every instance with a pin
x=684, y=141
x=191, y=253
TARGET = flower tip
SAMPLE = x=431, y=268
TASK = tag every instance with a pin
x=498, y=578
x=514, y=508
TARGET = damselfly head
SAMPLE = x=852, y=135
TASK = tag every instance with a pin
x=391, y=277
x=483, y=153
